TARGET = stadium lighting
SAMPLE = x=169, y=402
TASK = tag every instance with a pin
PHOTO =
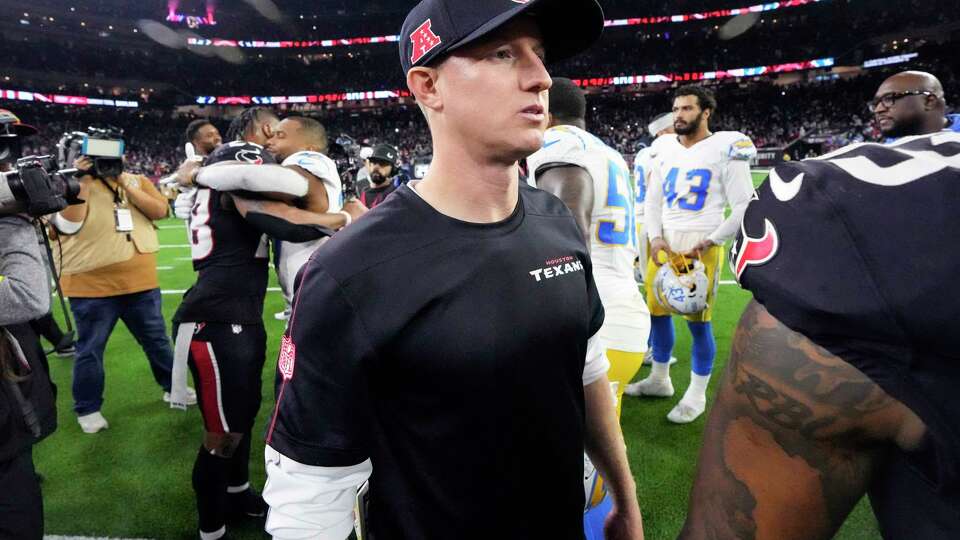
x=660, y=19
x=593, y=82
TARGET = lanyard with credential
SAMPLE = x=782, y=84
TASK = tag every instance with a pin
x=122, y=216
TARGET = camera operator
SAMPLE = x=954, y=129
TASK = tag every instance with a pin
x=108, y=266
x=12, y=133
x=27, y=404
x=383, y=166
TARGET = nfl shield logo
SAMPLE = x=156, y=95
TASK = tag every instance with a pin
x=288, y=353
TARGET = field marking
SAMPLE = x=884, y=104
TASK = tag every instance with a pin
x=168, y=246
x=168, y=227
x=181, y=291
x=165, y=268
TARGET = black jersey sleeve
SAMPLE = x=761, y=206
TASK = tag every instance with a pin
x=850, y=250
x=322, y=416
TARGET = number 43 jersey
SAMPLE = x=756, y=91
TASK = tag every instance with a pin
x=613, y=233
x=694, y=185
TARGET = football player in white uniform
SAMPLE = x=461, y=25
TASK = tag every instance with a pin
x=593, y=181
x=694, y=177
x=300, y=143
x=642, y=165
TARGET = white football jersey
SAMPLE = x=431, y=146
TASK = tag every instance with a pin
x=642, y=164
x=612, y=230
x=693, y=186
x=294, y=255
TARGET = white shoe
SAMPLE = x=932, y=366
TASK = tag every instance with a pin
x=686, y=412
x=282, y=315
x=650, y=387
x=648, y=359
x=93, y=422
x=191, y=396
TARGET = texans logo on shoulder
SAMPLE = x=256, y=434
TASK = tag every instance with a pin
x=754, y=251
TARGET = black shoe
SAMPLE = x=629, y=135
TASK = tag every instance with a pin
x=246, y=504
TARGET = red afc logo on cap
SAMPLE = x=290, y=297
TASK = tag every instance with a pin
x=424, y=41
x=756, y=251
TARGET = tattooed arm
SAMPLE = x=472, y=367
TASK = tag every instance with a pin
x=792, y=440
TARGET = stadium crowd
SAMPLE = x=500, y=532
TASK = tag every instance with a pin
x=834, y=112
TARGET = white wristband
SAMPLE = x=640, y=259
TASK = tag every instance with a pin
x=348, y=216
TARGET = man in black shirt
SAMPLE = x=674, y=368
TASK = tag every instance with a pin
x=383, y=165
x=468, y=395
x=843, y=374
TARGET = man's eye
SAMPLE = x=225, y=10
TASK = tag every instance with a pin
x=503, y=54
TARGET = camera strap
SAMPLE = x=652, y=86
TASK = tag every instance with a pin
x=117, y=199
x=121, y=214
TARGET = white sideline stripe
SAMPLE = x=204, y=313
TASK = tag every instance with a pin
x=165, y=227
x=164, y=268
x=727, y=282
x=168, y=246
x=181, y=291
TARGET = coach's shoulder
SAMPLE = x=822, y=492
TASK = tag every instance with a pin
x=538, y=202
x=386, y=232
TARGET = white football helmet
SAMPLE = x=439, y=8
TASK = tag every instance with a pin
x=681, y=285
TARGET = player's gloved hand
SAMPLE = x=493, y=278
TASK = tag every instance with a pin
x=188, y=169
x=658, y=245
x=183, y=205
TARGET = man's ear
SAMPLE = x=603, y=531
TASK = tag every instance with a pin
x=422, y=82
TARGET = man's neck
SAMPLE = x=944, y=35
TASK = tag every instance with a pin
x=939, y=123
x=465, y=186
x=695, y=137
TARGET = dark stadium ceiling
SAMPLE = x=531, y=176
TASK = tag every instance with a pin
x=381, y=13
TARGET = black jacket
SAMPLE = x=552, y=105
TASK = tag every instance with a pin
x=37, y=390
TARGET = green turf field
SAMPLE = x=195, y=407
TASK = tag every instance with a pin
x=133, y=480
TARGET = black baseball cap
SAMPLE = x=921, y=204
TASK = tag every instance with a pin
x=437, y=27
x=386, y=153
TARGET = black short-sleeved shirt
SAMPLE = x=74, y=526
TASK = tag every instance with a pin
x=451, y=354
x=228, y=252
x=856, y=252
x=373, y=196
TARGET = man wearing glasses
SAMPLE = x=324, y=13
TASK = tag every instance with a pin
x=911, y=103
